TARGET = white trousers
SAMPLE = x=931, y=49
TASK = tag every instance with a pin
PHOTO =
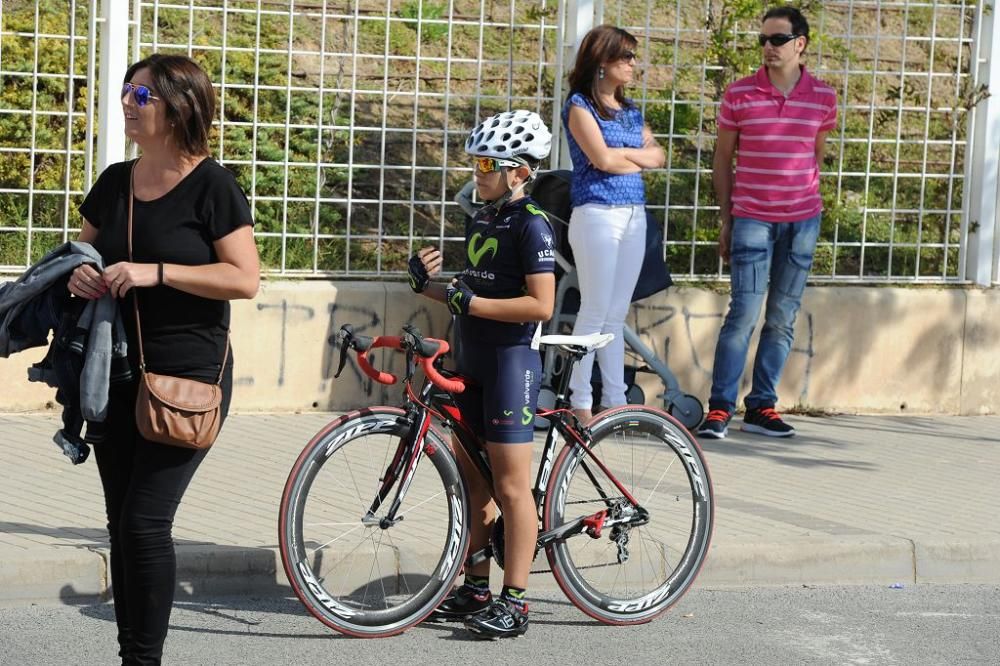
x=609, y=243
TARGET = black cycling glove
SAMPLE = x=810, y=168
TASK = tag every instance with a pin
x=417, y=273
x=458, y=297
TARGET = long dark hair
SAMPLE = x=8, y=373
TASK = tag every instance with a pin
x=186, y=91
x=603, y=44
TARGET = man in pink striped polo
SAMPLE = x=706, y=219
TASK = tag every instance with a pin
x=775, y=122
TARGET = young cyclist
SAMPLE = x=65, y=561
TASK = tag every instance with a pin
x=506, y=289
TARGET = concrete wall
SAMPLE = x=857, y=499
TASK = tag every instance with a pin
x=856, y=349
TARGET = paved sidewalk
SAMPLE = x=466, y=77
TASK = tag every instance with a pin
x=851, y=499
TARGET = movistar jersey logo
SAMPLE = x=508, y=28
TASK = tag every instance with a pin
x=476, y=254
x=526, y=415
x=535, y=210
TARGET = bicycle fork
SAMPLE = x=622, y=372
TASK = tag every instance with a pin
x=403, y=464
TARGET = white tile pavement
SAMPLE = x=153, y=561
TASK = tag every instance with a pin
x=851, y=498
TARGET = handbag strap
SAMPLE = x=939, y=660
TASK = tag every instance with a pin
x=135, y=290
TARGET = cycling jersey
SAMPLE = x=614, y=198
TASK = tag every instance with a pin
x=502, y=247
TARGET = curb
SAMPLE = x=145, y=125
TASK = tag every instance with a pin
x=64, y=574
x=942, y=561
x=73, y=575
x=830, y=561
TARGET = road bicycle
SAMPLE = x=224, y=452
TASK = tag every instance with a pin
x=373, y=525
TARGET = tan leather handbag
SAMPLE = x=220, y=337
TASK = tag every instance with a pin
x=173, y=410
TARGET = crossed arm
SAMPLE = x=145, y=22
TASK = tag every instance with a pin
x=588, y=136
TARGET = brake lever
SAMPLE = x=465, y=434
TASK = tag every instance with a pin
x=345, y=344
x=408, y=345
x=410, y=365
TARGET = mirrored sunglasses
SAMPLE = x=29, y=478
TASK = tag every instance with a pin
x=140, y=93
x=491, y=164
x=777, y=39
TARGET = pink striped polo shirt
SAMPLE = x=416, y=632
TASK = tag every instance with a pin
x=777, y=178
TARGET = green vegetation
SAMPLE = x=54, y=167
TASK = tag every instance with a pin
x=889, y=144
x=332, y=139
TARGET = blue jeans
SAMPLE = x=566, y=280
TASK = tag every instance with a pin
x=773, y=260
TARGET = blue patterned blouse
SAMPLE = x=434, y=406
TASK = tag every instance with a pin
x=591, y=185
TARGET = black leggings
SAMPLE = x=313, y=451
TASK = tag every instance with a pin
x=143, y=485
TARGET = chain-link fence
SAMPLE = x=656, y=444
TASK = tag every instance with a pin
x=344, y=121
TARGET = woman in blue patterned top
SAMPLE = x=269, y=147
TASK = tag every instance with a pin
x=610, y=145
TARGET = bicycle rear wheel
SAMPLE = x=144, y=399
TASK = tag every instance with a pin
x=631, y=574
x=355, y=572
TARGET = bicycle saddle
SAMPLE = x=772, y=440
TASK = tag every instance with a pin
x=588, y=342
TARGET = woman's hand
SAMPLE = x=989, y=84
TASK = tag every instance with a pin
x=422, y=266
x=86, y=282
x=123, y=276
x=726, y=239
x=431, y=259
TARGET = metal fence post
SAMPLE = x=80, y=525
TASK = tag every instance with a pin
x=113, y=63
x=980, y=203
x=579, y=21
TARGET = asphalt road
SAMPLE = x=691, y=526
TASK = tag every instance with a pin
x=911, y=626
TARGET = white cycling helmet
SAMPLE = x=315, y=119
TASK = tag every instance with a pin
x=511, y=135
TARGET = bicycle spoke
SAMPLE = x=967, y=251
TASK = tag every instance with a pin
x=417, y=506
x=335, y=539
x=660, y=480
x=376, y=565
x=350, y=563
x=641, y=452
x=335, y=560
x=401, y=579
x=662, y=549
x=357, y=490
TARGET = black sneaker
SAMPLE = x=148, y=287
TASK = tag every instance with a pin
x=464, y=601
x=716, y=424
x=766, y=421
x=503, y=619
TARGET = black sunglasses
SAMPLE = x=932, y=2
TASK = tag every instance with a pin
x=777, y=39
x=141, y=93
x=629, y=56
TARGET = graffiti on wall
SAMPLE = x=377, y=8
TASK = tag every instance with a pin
x=650, y=320
x=685, y=345
x=302, y=365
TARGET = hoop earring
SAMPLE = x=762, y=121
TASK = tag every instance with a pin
x=600, y=73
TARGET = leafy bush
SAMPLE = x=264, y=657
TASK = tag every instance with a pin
x=328, y=148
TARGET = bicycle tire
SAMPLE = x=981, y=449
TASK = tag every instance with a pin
x=423, y=553
x=681, y=516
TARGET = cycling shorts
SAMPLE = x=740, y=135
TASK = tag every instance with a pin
x=500, y=407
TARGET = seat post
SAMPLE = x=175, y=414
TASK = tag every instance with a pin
x=573, y=354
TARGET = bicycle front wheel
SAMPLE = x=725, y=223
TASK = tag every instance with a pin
x=352, y=568
x=631, y=572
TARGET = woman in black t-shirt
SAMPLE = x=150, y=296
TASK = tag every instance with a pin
x=193, y=251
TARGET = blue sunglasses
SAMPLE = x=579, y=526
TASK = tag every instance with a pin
x=140, y=93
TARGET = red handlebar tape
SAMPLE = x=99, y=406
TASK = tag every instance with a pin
x=395, y=342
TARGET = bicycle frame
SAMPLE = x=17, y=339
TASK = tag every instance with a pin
x=562, y=422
